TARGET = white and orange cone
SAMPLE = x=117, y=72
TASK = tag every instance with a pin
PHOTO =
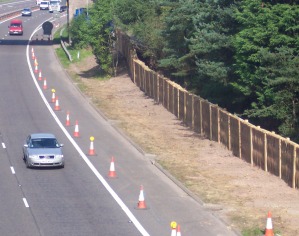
x=40, y=75
x=141, y=203
x=45, y=86
x=112, y=173
x=91, y=151
x=32, y=54
x=67, y=122
x=36, y=69
x=53, y=99
x=57, y=107
x=173, y=225
x=76, y=132
x=178, y=231
x=269, y=227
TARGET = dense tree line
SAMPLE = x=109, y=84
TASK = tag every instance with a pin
x=242, y=55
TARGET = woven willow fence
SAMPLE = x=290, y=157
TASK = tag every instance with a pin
x=252, y=144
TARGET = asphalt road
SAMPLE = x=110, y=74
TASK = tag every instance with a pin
x=79, y=199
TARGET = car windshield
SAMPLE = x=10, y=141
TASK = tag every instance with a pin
x=44, y=143
x=15, y=25
x=26, y=9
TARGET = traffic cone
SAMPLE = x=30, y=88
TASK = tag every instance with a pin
x=91, y=151
x=76, y=132
x=35, y=62
x=269, y=227
x=57, y=107
x=141, y=203
x=67, y=122
x=45, y=84
x=36, y=69
x=173, y=225
x=112, y=173
x=53, y=99
x=40, y=75
x=32, y=54
x=178, y=231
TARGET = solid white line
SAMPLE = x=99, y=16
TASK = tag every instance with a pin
x=25, y=202
x=12, y=170
x=3, y=145
x=84, y=157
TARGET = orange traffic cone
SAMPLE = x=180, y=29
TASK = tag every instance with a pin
x=76, y=132
x=57, y=107
x=35, y=62
x=269, y=227
x=141, y=203
x=112, y=173
x=53, y=99
x=178, y=231
x=36, y=69
x=32, y=54
x=40, y=75
x=67, y=122
x=173, y=225
x=45, y=84
x=91, y=148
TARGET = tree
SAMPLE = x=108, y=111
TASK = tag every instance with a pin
x=266, y=58
x=198, y=51
x=143, y=20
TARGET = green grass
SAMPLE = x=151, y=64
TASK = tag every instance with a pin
x=252, y=232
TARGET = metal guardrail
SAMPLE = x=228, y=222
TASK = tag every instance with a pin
x=63, y=45
x=15, y=13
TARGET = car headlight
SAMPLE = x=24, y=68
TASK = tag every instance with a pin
x=59, y=156
x=33, y=156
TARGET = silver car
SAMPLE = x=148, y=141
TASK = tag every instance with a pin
x=43, y=150
x=26, y=12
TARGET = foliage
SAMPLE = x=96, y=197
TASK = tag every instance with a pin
x=95, y=30
x=144, y=21
x=266, y=61
x=198, y=51
x=242, y=55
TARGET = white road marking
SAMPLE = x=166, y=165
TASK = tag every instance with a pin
x=84, y=157
x=25, y=202
x=12, y=170
x=3, y=145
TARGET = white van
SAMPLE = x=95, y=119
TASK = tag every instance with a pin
x=54, y=6
x=44, y=5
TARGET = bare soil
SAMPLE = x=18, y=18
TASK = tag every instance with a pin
x=240, y=194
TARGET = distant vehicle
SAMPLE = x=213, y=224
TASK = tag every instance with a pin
x=54, y=6
x=42, y=150
x=38, y=2
x=80, y=11
x=26, y=12
x=44, y=5
x=15, y=27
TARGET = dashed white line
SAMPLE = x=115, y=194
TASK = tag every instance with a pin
x=25, y=202
x=12, y=170
x=3, y=145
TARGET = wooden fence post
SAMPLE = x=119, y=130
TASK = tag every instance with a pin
x=265, y=152
x=294, y=168
x=279, y=156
